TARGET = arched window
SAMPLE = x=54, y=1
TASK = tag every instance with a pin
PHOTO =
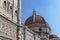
x=11, y=12
x=4, y=5
x=16, y=13
x=40, y=30
x=11, y=9
x=8, y=3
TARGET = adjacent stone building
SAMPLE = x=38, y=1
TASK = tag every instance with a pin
x=35, y=27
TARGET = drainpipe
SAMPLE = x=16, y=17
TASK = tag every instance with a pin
x=19, y=12
x=24, y=33
x=12, y=10
x=18, y=17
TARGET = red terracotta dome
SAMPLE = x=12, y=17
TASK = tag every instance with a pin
x=53, y=36
x=34, y=19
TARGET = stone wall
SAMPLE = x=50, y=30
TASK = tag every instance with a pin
x=27, y=34
x=7, y=29
x=10, y=11
x=54, y=39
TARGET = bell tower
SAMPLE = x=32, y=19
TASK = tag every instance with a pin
x=10, y=17
x=9, y=9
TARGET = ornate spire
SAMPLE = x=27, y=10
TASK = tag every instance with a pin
x=34, y=14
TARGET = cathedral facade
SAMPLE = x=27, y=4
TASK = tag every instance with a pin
x=34, y=28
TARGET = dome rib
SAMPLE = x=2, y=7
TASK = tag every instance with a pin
x=38, y=19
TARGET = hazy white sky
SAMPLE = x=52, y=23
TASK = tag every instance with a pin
x=49, y=9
